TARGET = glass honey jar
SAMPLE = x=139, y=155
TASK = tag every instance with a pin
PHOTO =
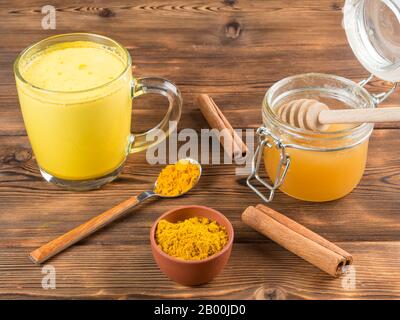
x=327, y=165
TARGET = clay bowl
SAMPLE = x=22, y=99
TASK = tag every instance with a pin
x=192, y=272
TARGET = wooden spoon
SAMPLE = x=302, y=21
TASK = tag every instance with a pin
x=66, y=240
x=314, y=115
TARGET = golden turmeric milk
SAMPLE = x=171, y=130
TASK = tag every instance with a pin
x=79, y=127
x=191, y=239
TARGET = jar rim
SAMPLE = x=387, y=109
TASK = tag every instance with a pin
x=362, y=130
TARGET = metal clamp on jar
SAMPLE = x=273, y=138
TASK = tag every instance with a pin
x=327, y=165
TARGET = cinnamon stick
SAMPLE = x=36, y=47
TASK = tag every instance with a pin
x=232, y=143
x=298, y=239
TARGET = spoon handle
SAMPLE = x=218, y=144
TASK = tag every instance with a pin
x=61, y=243
x=359, y=115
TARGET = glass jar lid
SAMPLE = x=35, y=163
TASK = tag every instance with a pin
x=373, y=31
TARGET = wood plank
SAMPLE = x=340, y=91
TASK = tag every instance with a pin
x=234, y=51
x=235, y=69
x=100, y=271
x=34, y=211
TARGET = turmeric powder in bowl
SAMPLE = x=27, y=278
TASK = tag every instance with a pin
x=195, y=238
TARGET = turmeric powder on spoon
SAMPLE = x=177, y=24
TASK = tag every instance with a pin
x=176, y=179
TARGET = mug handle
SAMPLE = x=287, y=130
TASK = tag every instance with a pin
x=168, y=124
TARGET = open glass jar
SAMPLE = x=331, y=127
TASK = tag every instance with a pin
x=324, y=166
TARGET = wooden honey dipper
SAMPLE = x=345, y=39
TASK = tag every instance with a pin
x=314, y=115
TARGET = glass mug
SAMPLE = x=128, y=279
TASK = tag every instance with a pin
x=80, y=135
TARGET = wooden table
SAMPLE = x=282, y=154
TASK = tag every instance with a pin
x=234, y=51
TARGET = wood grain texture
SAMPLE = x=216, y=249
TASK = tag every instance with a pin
x=255, y=271
x=64, y=241
x=233, y=51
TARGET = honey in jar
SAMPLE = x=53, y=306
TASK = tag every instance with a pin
x=324, y=165
x=319, y=175
x=327, y=165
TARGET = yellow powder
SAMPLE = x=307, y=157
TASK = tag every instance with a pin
x=177, y=178
x=191, y=239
